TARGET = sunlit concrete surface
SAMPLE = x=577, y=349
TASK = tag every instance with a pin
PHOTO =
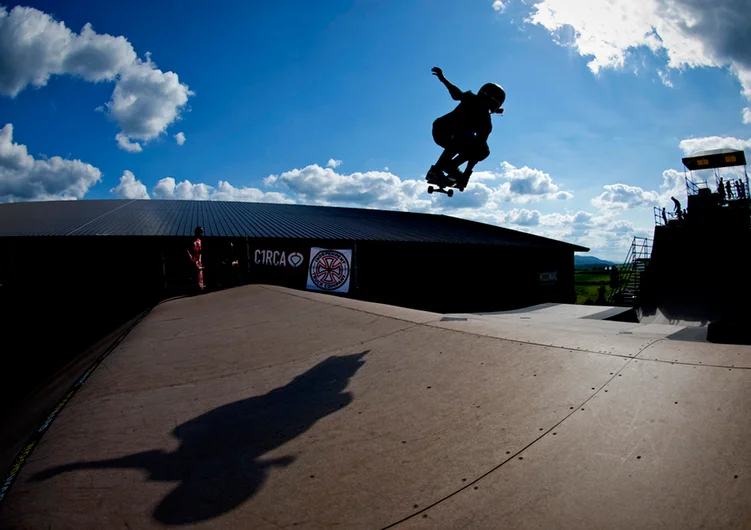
x=262, y=407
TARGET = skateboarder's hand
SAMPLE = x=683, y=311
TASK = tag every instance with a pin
x=437, y=72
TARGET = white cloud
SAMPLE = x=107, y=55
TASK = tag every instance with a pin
x=226, y=192
x=336, y=163
x=532, y=183
x=180, y=138
x=521, y=185
x=316, y=185
x=164, y=189
x=130, y=187
x=690, y=146
x=523, y=217
x=146, y=100
x=168, y=188
x=24, y=178
x=625, y=197
x=126, y=145
x=690, y=33
x=621, y=227
x=605, y=236
x=34, y=47
x=673, y=185
x=500, y=5
x=664, y=78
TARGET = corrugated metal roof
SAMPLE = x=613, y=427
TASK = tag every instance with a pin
x=256, y=220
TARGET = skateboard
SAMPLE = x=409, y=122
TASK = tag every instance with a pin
x=442, y=180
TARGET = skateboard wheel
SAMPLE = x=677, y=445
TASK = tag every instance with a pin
x=431, y=189
x=450, y=193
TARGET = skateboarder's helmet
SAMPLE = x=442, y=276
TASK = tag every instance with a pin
x=495, y=94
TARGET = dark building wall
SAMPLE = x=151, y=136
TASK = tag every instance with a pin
x=432, y=277
x=696, y=270
x=62, y=294
x=464, y=278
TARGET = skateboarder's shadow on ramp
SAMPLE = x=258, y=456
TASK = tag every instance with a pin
x=219, y=464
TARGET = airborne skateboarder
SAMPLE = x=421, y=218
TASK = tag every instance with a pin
x=463, y=133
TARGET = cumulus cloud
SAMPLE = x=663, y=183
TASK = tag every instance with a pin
x=317, y=185
x=180, y=138
x=126, y=145
x=521, y=185
x=24, y=178
x=688, y=33
x=146, y=100
x=336, y=163
x=606, y=236
x=168, y=188
x=621, y=227
x=34, y=47
x=523, y=217
x=130, y=187
x=625, y=197
x=382, y=189
x=690, y=146
x=532, y=182
x=602, y=233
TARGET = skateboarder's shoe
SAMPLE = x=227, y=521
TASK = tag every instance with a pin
x=462, y=182
x=434, y=173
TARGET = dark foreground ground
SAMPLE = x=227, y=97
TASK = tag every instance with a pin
x=261, y=407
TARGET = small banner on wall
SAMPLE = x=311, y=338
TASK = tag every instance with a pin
x=329, y=270
x=548, y=277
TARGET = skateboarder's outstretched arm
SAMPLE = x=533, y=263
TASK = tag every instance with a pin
x=456, y=94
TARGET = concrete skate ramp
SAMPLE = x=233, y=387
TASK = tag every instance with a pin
x=261, y=407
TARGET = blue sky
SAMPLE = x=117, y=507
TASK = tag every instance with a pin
x=266, y=94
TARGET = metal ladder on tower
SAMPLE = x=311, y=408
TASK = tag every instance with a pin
x=630, y=274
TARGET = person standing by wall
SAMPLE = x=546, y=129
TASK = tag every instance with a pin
x=196, y=257
x=229, y=266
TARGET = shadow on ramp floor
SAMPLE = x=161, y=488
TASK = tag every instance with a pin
x=219, y=462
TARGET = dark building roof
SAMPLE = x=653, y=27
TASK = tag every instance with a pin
x=255, y=220
x=715, y=159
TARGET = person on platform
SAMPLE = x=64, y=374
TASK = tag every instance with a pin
x=739, y=189
x=678, y=211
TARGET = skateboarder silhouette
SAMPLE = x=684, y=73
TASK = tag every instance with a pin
x=463, y=133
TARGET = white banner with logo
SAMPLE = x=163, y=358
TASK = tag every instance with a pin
x=329, y=270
